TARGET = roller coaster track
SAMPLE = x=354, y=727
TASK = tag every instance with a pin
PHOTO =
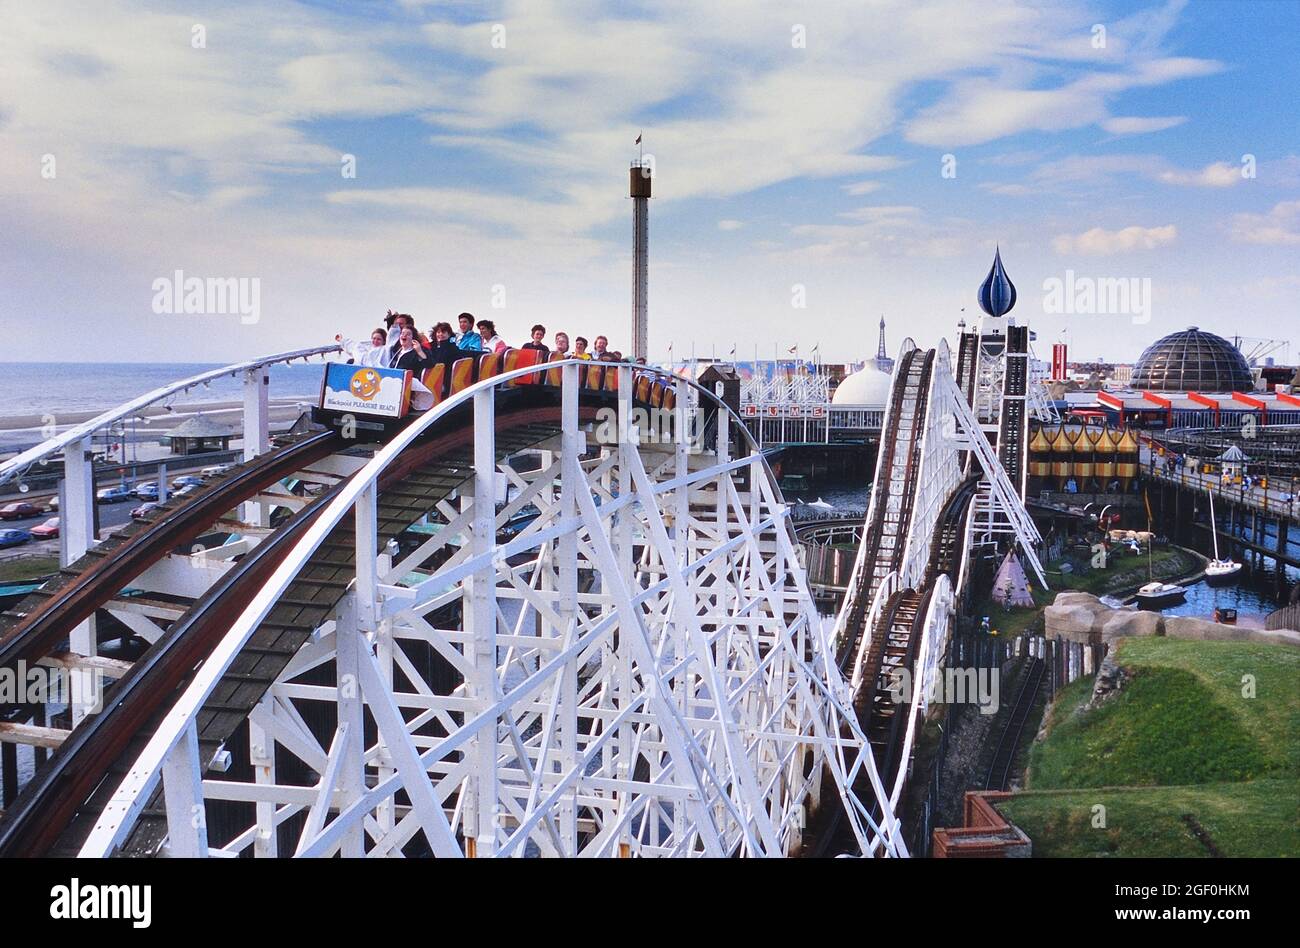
x=34, y=627
x=898, y=634
x=896, y=477
x=59, y=807
x=896, y=612
x=967, y=364
x=894, y=647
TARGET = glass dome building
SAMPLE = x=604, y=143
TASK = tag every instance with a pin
x=1192, y=361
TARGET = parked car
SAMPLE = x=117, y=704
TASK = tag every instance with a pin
x=188, y=480
x=216, y=470
x=139, y=513
x=47, y=530
x=186, y=490
x=147, y=491
x=52, y=503
x=114, y=495
x=10, y=538
x=18, y=510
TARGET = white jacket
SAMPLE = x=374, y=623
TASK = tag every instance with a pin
x=363, y=353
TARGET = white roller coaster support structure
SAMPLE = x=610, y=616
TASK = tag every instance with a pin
x=642, y=669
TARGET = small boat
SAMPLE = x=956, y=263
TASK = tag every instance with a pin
x=1220, y=572
x=1158, y=595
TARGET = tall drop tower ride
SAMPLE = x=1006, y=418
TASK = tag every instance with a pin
x=639, y=189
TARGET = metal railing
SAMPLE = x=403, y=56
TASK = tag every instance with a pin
x=1269, y=499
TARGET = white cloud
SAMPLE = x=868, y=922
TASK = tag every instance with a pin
x=1285, y=288
x=1101, y=242
x=878, y=232
x=1092, y=169
x=1006, y=190
x=1220, y=174
x=859, y=188
x=729, y=224
x=1136, y=125
x=227, y=158
x=1280, y=226
x=985, y=109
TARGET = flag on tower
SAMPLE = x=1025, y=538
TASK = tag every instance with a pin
x=638, y=140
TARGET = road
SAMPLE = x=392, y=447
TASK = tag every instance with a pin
x=111, y=516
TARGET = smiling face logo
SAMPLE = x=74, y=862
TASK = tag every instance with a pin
x=365, y=384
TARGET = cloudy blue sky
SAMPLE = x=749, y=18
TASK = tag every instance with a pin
x=799, y=149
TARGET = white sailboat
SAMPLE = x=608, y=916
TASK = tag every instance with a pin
x=1220, y=572
x=1156, y=595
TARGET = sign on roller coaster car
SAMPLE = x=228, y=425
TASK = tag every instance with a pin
x=366, y=390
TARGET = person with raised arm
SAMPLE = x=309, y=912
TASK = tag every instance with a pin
x=407, y=353
x=372, y=353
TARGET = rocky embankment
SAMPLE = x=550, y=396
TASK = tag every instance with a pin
x=1082, y=617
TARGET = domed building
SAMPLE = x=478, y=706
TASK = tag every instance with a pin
x=869, y=386
x=1192, y=361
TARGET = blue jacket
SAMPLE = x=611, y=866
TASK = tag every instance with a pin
x=469, y=341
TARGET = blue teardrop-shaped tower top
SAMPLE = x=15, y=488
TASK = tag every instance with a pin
x=997, y=293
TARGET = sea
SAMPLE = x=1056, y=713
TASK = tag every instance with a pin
x=35, y=388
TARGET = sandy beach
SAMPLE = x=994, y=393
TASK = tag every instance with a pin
x=155, y=416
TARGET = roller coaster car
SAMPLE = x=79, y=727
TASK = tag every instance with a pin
x=371, y=403
x=365, y=403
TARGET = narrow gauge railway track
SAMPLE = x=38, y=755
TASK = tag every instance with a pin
x=1004, y=757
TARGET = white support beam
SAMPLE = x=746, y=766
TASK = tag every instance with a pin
x=481, y=823
x=182, y=774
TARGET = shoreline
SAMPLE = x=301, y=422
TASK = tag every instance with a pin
x=1126, y=593
x=35, y=422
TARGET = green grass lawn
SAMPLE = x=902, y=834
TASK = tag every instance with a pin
x=1180, y=739
x=1181, y=719
x=1165, y=727
x=1128, y=572
x=28, y=568
x=1008, y=623
x=1252, y=819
